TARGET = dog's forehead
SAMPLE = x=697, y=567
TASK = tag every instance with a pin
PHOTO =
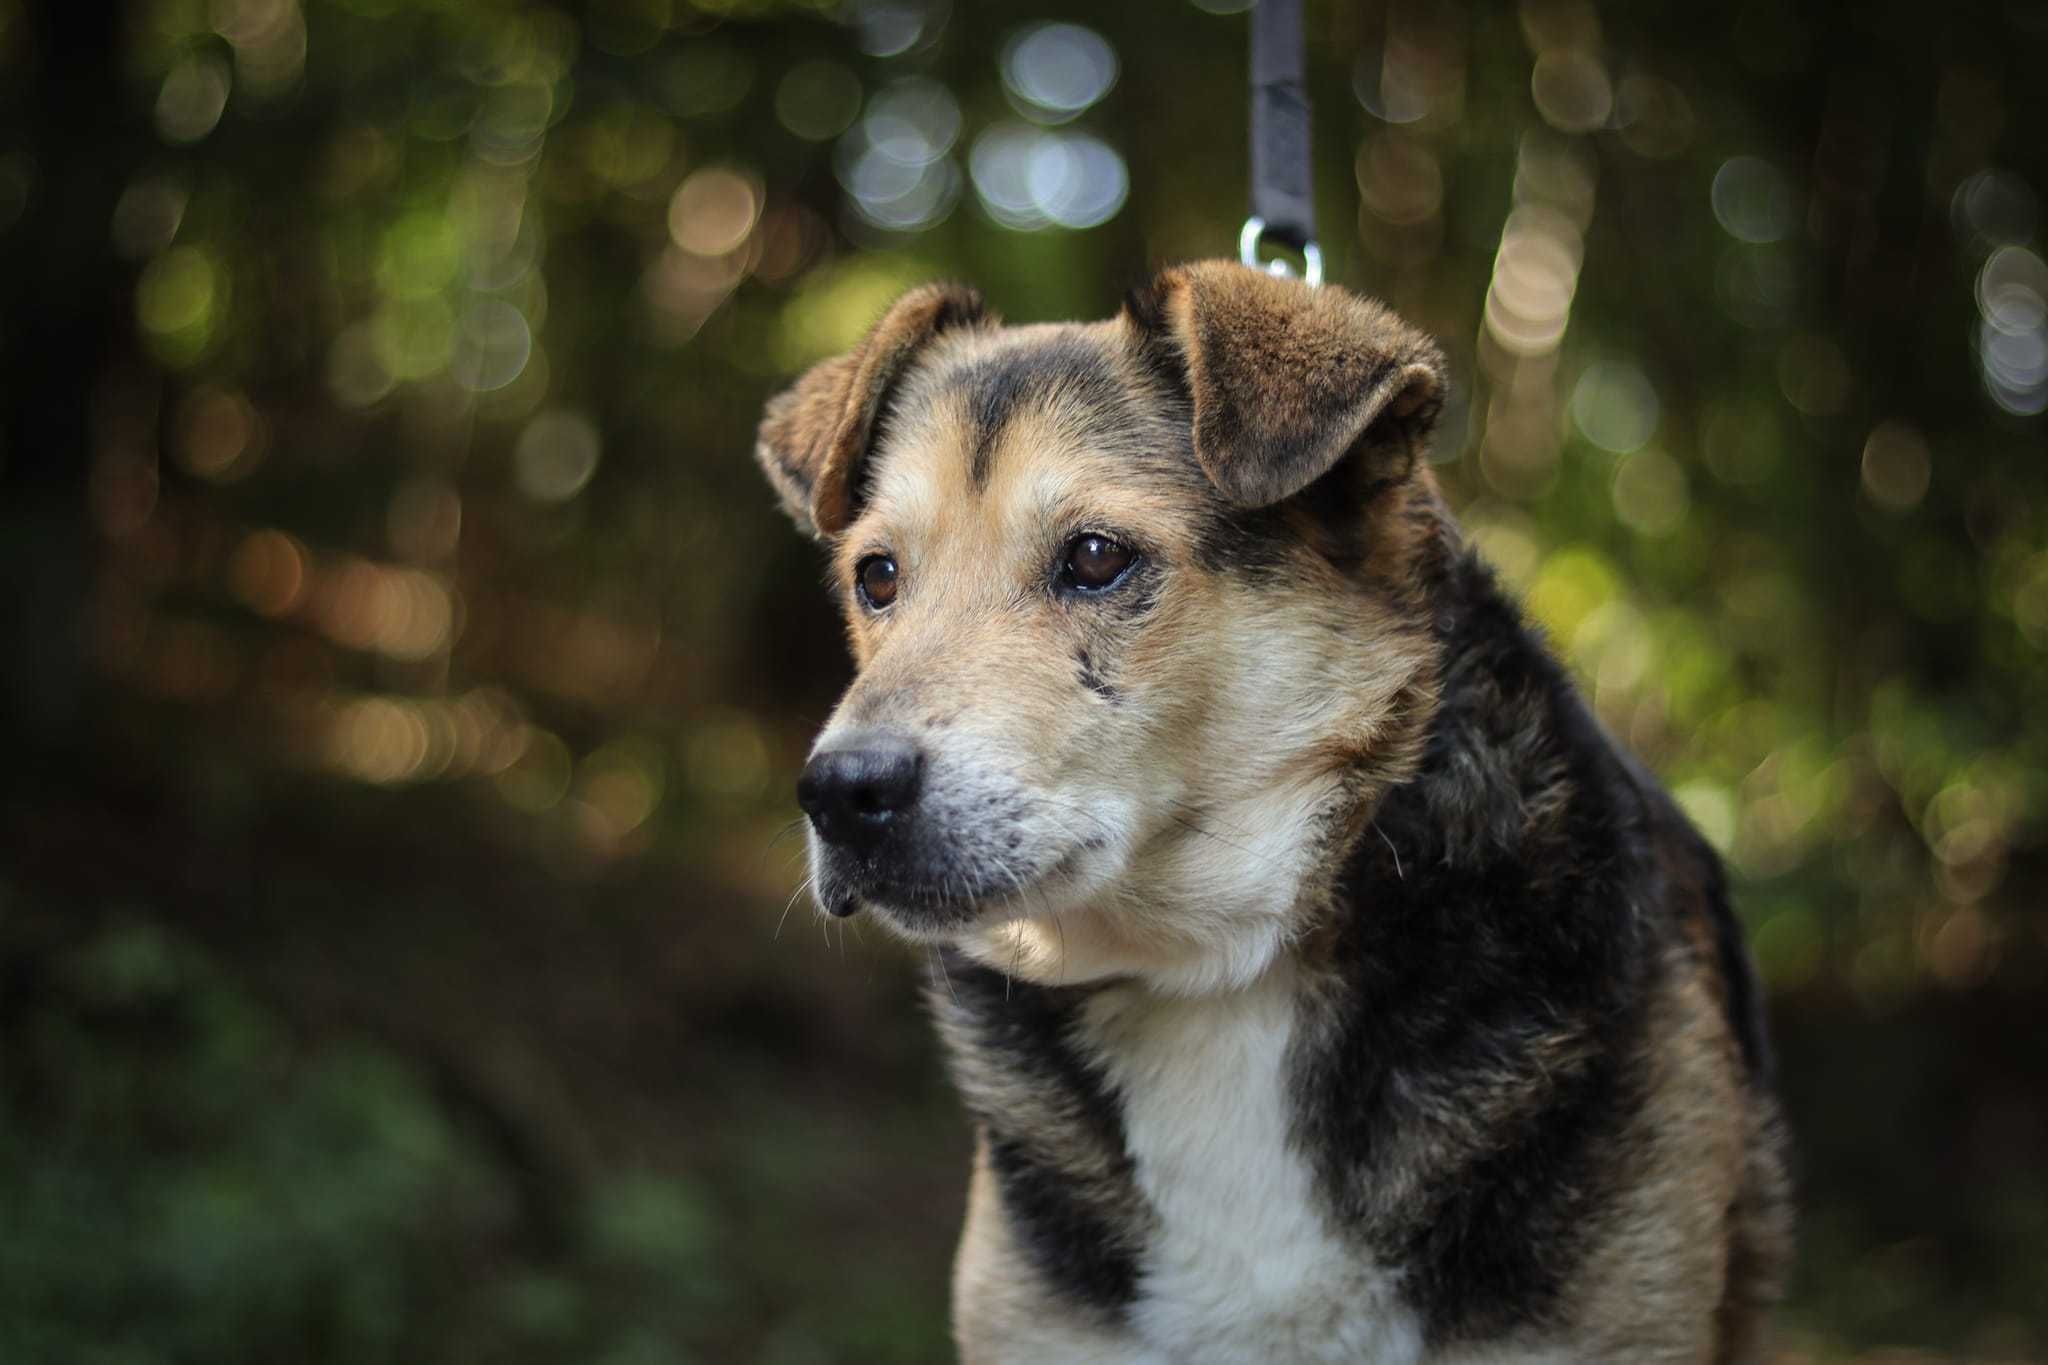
x=1021, y=416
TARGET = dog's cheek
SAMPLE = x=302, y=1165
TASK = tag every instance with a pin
x=1105, y=633
x=860, y=640
x=1139, y=684
x=1088, y=671
x=866, y=632
x=1097, y=646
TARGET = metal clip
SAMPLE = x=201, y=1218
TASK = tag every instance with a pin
x=1248, y=252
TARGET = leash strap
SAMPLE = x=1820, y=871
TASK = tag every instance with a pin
x=1283, y=186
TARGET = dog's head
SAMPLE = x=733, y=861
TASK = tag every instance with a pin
x=1137, y=609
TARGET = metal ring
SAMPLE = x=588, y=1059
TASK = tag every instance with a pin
x=1248, y=252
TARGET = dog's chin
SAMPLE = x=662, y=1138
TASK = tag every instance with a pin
x=949, y=910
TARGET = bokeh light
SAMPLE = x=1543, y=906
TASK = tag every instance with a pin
x=1535, y=277
x=147, y=215
x=1655, y=118
x=894, y=162
x=1028, y=177
x=1571, y=91
x=1650, y=493
x=2012, y=346
x=194, y=96
x=492, y=345
x=818, y=100
x=890, y=28
x=1616, y=406
x=1995, y=208
x=1054, y=72
x=221, y=435
x=1814, y=375
x=713, y=210
x=556, y=455
x=1897, y=466
x=1752, y=200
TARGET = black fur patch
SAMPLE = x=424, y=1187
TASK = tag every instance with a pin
x=1491, y=931
x=1145, y=304
x=1054, y=1133
x=1158, y=351
x=1092, y=680
x=1066, y=366
x=1259, y=543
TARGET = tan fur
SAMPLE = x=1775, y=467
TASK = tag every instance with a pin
x=814, y=437
x=1757, y=1237
x=1652, y=1289
x=1275, y=370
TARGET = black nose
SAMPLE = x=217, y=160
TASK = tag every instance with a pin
x=855, y=792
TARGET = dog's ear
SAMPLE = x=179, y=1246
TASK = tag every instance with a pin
x=815, y=434
x=1286, y=380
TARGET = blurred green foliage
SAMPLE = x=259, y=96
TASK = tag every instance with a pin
x=189, y=1181
x=405, y=663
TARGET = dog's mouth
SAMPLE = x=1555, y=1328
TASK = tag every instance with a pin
x=927, y=901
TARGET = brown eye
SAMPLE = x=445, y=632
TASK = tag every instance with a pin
x=876, y=577
x=1094, y=562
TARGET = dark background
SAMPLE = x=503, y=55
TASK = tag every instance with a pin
x=403, y=669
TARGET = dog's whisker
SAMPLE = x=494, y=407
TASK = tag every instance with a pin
x=1398, y=873
x=1017, y=948
x=939, y=957
x=783, y=833
x=1019, y=888
x=1054, y=803
x=1077, y=841
x=801, y=887
x=1214, y=818
x=1187, y=823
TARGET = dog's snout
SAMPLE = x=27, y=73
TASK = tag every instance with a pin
x=854, y=792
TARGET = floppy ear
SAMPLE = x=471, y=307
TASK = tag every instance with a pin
x=815, y=434
x=1286, y=380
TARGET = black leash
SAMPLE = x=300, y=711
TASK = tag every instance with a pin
x=1283, y=181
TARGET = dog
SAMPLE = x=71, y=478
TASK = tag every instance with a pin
x=1322, y=981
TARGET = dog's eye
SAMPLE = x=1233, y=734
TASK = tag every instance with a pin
x=1093, y=562
x=875, y=578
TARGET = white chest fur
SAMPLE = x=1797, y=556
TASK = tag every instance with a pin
x=1245, y=1265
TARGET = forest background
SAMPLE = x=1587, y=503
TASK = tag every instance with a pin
x=404, y=670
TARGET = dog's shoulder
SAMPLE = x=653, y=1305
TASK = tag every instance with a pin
x=1492, y=1017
